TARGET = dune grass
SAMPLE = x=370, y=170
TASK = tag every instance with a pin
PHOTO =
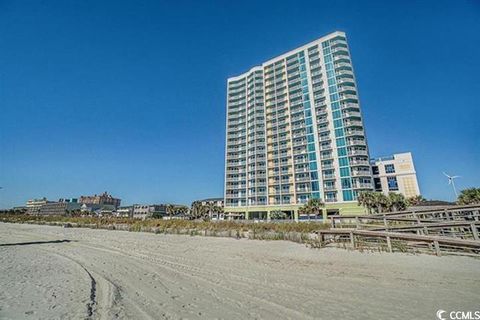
x=292, y=231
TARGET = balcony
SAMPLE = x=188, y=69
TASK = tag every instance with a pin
x=357, y=153
x=352, y=123
x=351, y=114
x=354, y=132
x=356, y=142
x=361, y=173
x=359, y=185
x=348, y=97
x=347, y=88
x=359, y=163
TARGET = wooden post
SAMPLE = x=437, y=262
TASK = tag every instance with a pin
x=416, y=217
x=357, y=222
x=385, y=223
x=425, y=230
x=437, y=248
x=389, y=244
x=352, y=239
x=474, y=231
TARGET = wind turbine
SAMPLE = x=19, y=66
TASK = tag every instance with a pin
x=452, y=182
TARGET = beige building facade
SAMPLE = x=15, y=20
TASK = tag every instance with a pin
x=396, y=174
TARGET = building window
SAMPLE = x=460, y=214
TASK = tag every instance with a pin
x=347, y=195
x=378, y=184
x=389, y=168
x=392, y=183
x=375, y=170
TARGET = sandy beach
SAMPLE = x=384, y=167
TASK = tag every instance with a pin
x=68, y=273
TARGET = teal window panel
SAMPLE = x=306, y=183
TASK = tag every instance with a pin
x=345, y=172
x=302, y=60
x=332, y=82
x=310, y=138
x=316, y=195
x=334, y=97
x=308, y=113
x=305, y=90
x=341, y=142
x=309, y=130
x=337, y=123
x=329, y=66
x=313, y=166
x=330, y=74
x=312, y=156
x=332, y=89
x=308, y=121
x=335, y=105
x=328, y=58
x=337, y=114
x=339, y=132
x=346, y=183
x=301, y=54
x=343, y=161
x=303, y=75
x=347, y=195
x=325, y=44
x=311, y=147
x=306, y=97
x=342, y=152
x=306, y=104
x=315, y=186
x=304, y=82
x=302, y=67
x=314, y=175
x=326, y=50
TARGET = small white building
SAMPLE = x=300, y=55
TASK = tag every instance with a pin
x=395, y=174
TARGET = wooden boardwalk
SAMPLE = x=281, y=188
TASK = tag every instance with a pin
x=451, y=230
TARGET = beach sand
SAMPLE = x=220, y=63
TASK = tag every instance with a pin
x=101, y=274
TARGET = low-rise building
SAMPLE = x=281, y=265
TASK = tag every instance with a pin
x=125, y=212
x=143, y=211
x=395, y=174
x=104, y=198
x=34, y=205
x=58, y=208
x=219, y=202
x=98, y=209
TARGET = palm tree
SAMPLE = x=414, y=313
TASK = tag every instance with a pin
x=380, y=202
x=278, y=215
x=212, y=208
x=170, y=210
x=314, y=206
x=367, y=200
x=469, y=196
x=396, y=202
x=415, y=200
x=182, y=210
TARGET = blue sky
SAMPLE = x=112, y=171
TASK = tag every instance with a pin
x=129, y=97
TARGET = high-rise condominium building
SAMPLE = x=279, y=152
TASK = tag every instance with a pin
x=295, y=132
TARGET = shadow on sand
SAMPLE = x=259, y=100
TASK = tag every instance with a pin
x=33, y=242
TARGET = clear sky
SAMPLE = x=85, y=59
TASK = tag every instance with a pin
x=129, y=96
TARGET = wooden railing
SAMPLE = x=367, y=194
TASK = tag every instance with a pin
x=450, y=229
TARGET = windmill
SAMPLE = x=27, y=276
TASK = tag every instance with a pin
x=452, y=182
